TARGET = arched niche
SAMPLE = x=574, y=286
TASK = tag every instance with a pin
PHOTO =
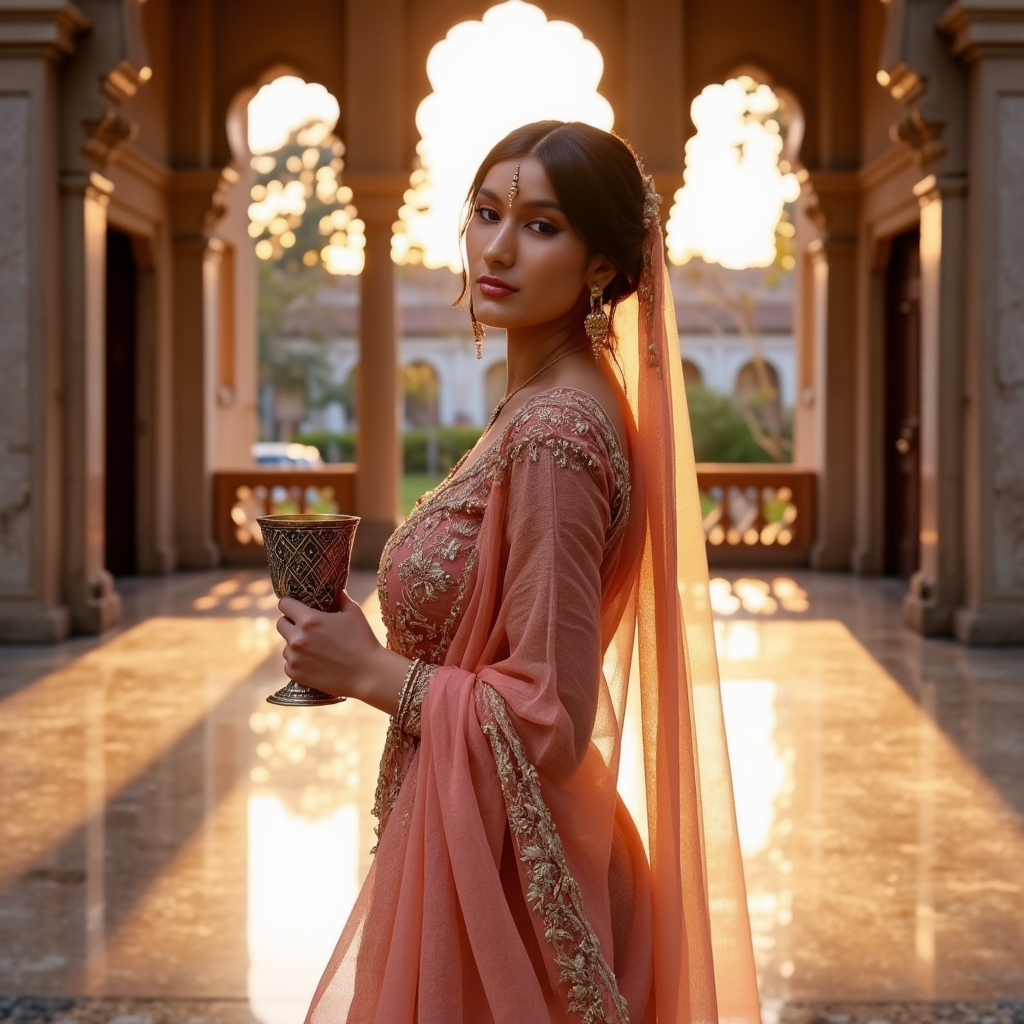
x=603, y=22
x=261, y=41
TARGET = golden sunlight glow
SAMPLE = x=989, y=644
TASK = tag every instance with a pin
x=757, y=596
x=297, y=164
x=284, y=106
x=551, y=72
x=758, y=769
x=294, y=913
x=734, y=190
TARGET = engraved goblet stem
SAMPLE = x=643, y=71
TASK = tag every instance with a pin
x=308, y=557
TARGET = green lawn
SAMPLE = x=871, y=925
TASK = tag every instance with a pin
x=415, y=484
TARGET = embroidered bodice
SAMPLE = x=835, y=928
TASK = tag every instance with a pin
x=427, y=566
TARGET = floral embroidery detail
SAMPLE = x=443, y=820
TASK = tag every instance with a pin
x=422, y=574
x=437, y=569
x=551, y=891
x=437, y=557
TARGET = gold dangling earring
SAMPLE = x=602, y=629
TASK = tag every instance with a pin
x=478, y=332
x=597, y=324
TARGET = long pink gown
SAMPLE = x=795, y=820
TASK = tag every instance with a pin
x=537, y=585
x=510, y=883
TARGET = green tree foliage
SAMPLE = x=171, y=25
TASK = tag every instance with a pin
x=720, y=432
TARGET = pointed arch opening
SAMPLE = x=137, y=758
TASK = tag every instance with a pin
x=731, y=243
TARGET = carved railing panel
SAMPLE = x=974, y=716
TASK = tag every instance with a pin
x=757, y=514
x=241, y=496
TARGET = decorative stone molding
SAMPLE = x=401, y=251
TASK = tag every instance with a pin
x=921, y=135
x=377, y=196
x=889, y=163
x=984, y=28
x=918, y=71
x=106, y=135
x=89, y=184
x=198, y=200
x=832, y=202
x=142, y=166
x=45, y=29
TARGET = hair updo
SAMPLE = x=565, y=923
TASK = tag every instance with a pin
x=597, y=180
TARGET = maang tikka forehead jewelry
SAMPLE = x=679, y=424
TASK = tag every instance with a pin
x=514, y=187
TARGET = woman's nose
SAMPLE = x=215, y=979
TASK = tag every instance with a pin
x=500, y=247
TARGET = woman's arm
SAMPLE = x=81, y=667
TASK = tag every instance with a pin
x=337, y=652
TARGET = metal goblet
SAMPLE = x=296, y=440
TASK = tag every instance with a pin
x=308, y=557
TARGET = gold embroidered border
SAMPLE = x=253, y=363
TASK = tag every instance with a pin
x=552, y=892
x=400, y=745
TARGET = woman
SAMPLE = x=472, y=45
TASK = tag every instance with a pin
x=510, y=883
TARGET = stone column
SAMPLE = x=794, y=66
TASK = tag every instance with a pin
x=377, y=197
x=34, y=38
x=989, y=37
x=377, y=118
x=194, y=207
x=88, y=587
x=936, y=589
x=834, y=208
x=654, y=68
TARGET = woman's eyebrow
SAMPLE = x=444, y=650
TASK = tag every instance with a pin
x=547, y=204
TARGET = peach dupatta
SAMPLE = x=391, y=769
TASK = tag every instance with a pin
x=521, y=731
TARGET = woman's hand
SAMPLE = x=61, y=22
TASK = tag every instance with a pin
x=338, y=653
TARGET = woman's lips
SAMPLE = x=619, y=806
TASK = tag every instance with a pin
x=494, y=288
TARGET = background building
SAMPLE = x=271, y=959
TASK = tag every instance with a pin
x=129, y=331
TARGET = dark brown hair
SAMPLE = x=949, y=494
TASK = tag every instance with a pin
x=597, y=181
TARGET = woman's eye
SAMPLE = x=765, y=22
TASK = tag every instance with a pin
x=489, y=215
x=542, y=227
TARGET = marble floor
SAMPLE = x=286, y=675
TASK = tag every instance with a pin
x=174, y=849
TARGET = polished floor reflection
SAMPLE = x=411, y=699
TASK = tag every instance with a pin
x=168, y=838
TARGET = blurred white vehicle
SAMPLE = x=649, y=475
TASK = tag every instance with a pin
x=283, y=454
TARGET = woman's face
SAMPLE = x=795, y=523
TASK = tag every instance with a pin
x=526, y=265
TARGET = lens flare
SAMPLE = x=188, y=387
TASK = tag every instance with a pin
x=290, y=136
x=554, y=73
x=734, y=190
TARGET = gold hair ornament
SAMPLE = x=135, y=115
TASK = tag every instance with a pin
x=596, y=323
x=652, y=223
x=514, y=187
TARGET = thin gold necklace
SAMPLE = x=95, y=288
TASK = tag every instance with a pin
x=529, y=380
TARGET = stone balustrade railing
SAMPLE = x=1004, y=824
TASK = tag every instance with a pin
x=754, y=514
x=242, y=496
x=757, y=514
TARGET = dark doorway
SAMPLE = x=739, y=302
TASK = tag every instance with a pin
x=901, y=443
x=121, y=446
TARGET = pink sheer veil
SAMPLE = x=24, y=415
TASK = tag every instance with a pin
x=703, y=959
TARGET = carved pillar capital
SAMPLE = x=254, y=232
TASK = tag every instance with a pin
x=46, y=29
x=833, y=203
x=984, y=28
x=378, y=197
x=197, y=200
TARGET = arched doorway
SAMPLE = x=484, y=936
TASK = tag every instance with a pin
x=121, y=427
x=731, y=245
x=306, y=233
x=902, y=410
